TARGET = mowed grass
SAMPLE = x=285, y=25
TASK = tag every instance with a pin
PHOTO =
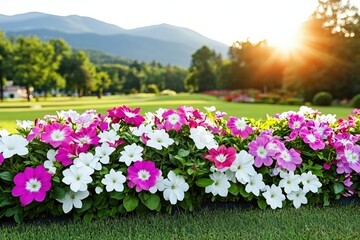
x=307, y=222
x=10, y=111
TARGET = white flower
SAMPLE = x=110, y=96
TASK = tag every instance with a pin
x=13, y=144
x=159, y=139
x=243, y=167
x=274, y=196
x=70, y=114
x=175, y=187
x=255, y=184
x=140, y=130
x=310, y=182
x=219, y=186
x=290, y=182
x=210, y=109
x=25, y=124
x=73, y=199
x=49, y=163
x=159, y=185
x=115, y=126
x=4, y=132
x=103, y=152
x=98, y=190
x=131, y=153
x=329, y=118
x=114, y=181
x=109, y=136
x=77, y=178
x=298, y=198
x=203, y=138
x=87, y=160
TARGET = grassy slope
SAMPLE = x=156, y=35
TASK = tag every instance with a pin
x=12, y=111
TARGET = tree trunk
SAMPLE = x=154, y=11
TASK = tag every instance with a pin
x=1, y=88
x=100, y=93
x=28, y=93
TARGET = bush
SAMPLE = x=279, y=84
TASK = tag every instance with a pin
x=322, y=99
x=153, y=88
x=355, y=102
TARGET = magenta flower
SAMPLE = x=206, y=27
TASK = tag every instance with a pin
x=142, y=175
x=173, y=120
x=238, y=127
x=127, y=114
x=32, y=184
x=313, y=138
x=66, y=154
x=56, y=134
x=288, y=159
x=1, y=159
x=85, y=138
x=351, y=156
x=259, y=149
x=296, y=122
x=222, y=157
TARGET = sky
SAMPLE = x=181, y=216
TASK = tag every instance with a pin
x=226, y=21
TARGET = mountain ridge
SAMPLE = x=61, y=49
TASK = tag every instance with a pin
x=165, y=43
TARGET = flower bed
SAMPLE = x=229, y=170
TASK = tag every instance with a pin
x=91, y=165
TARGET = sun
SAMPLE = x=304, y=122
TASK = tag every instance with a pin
x=285, y=40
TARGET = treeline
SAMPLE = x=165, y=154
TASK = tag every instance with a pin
x=327, y=60
x=53, y=66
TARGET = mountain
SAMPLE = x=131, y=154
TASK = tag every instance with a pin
x=67, y=24
x=163, y=43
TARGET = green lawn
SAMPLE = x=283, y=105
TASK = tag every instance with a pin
x=10, y=111
x=309, y=222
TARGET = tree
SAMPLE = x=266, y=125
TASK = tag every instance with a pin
x=32, y=63
x=102, y=82
x=203, y=70
x=79, y=73
x=5, y=53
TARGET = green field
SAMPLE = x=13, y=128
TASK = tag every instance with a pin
x=10, y=111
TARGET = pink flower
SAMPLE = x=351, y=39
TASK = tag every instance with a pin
x=1, y=159
x=142, y=175
x=127, y=114
x=288, y=159
x=259, y=149
x=238, y=127
x=296, y=122
x=56, y=134
x=85, y=138
x=173, y=120
x=351, y=156
x=313, y=138
x=32, y=184
x=222, y=157
x=66, y=154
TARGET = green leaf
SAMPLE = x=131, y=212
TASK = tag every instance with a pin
x=183, y=153
x=4, y=203
x=261, y=203
x=88, y=217
x=233, y=189
x=130, y=203
x=190, y=171
x=58, y=193
x=204, y=182
x=152, y=201
x=7, y=176
x=326, y=200
x=338, y=188
x=87, y=203
x=117, y=195
x=244, y=193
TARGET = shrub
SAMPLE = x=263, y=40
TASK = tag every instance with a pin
x=153, y=88
x=322, y=99
x=355, y=102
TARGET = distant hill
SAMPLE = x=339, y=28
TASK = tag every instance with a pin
x=163, y=43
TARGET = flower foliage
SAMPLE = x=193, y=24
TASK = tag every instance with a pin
x=91, y=165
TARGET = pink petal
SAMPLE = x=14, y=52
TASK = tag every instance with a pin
x=18, y=191
x=26, y=198
x=39, y=196
x=20, y=179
